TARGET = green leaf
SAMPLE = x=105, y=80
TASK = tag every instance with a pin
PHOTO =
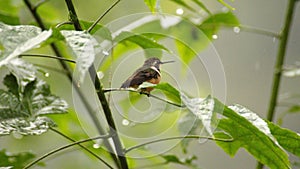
x=17, y=160
x=212, y=24
x=23, y=71
x=288, y=139
x=171, y=92
x=226, y=5
x=252, y=137
x=190, y=40
x=151, y=4
x=21, y=111
x=151, y=47
x=19, y=39
x=84, y=47
x=203, y=110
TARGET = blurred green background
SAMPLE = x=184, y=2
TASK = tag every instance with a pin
x=248, y=61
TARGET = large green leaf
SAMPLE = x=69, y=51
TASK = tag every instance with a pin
x=85, y=47
x=288, y=139
x=211, y=25
x=252, y=136
x=21, y=111
x=18, y=39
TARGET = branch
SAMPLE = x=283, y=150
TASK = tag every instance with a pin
x=102, y=16
x=83, y=147
x=121, y=159
x=47, y=56
x=175, y=138
x=64, y=147
x=279, y=63
x=143, y=93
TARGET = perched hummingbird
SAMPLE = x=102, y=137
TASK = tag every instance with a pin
x=149, y=72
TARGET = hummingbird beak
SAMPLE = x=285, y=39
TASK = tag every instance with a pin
x=170, y=61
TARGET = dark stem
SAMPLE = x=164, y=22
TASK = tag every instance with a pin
x=279, y=63
x=47, y=56
x=83, y=147
x=101, y=96
x=147, y=94
x=63, y=148
x=175, y=138
x=101, y=17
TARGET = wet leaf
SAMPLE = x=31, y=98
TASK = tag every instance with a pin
x=85, y=47
x=21, y=111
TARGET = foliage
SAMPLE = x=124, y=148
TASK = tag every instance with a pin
x=26, y=102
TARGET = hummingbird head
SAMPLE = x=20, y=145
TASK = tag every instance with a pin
x=155, y=62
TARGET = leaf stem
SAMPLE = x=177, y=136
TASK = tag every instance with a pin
x=47, y=56
x=175, y=138
x=247, y=28
x=279, y=63
x=137, y=91
x=83, y=147
x=64, y=147
x=102, y=16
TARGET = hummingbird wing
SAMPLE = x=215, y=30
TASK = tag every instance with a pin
x=140, y=76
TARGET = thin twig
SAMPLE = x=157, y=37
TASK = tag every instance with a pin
x=175, y=138
x=279, y=63
x=63, y=148
x=47, y=56
x=247, y=28
x=64, y=23
x=138, y=91
x=86, y=149
x=101, y=17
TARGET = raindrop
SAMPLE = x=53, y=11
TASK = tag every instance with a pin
x=47, y=74
x=125, y=122
x=105, y=53
x=236, y=29
x=215, y=36
x=96, y=146
x=100, y=75
x=179, y=11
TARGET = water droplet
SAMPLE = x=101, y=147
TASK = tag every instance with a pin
x=215, y=36
x=47, y=74
x=100, y=75
x=179, y=11
x=78, y=84
x=96, y=146
x=236, y=29
x=105, y=53
x=125, y=122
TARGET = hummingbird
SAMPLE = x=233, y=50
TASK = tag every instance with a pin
x=149, y=72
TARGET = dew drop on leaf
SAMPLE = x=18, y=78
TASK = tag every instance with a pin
x=105, y=53
x=47, y=74
x=125, y=122
x=96, y=146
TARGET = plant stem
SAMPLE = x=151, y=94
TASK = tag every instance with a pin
x=101, y=96
x=47, y=56
x=279, y=63
x=86, y=149
x=147, y=94
x=62, y=148
x=100, y=17
x=175, y=138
